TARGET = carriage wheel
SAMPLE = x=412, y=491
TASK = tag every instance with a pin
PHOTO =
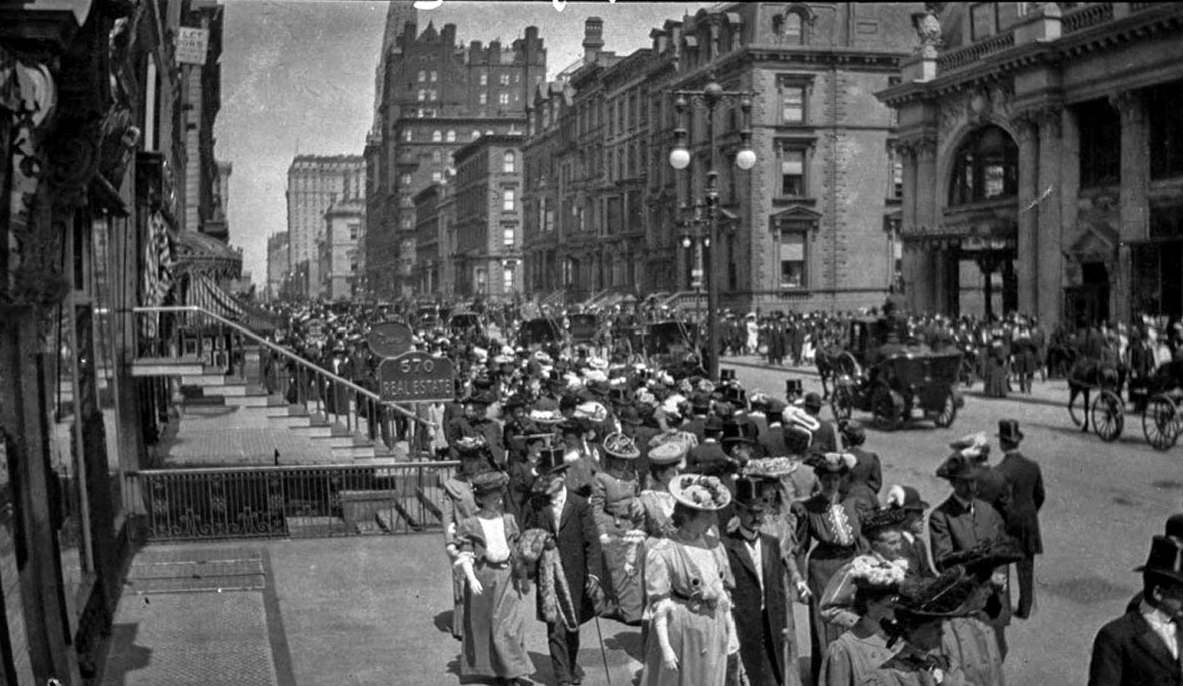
x=846, y=365
x=1076, y=409
x=1160, y=422
x=948, y=413
x=841, y=404
x=1108, y=416
x=888, y=409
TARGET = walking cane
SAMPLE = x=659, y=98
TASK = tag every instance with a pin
x=603, y=653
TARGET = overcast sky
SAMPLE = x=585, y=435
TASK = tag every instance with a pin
x=298, y=77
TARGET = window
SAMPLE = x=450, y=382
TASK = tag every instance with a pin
x=985, y=166
x=436, y=176
x=451, y=135
x=353, y=230
x=480, y=279
x=436, y=156
x=1100, y=144
x=507, y=200
x=508, y=162
x=431, y=94
x=484, y=79
x=483, y=99
x=434, y=75
x=789, y=28
x=792, y=259
x=408, y=135
x=503, y=99
x=505, y=79
x=422, y=76
x=353, y=266
x=509, y=234
x=422, y=95
x=437, y=136
x=792, y=104
x=476, y=134
x=1164, y=110
x=508, y=278
x=405, y=223
x=405, y=180
x=792, y=172
x=983, y=19
x=895, y=188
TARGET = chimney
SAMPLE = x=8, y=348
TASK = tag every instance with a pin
x=593, y=39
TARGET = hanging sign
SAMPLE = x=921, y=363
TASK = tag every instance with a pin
x=416, y=377
x=192, y=45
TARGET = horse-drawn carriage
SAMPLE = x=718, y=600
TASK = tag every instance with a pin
x=878, y=375
x=1159, y=396
x=539, y=332
x=668, y=342
x=583, y=328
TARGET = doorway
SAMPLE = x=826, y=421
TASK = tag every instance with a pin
x=1088, y=303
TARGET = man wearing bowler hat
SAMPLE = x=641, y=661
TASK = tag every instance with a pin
x=1024, y=481
x=567, y=517
x=1145, y=645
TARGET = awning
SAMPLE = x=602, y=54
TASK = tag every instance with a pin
x=200, y=254
x=206, y=294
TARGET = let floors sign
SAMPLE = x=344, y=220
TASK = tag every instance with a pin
x=407, y=376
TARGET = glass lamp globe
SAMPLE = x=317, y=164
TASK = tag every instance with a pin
x=679, y=158
x=686, y=242
x=745, y=159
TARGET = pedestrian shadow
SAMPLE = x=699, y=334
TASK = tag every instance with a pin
x=123, y=655
x=627, y=642
x=543, y=669
x=443, y=622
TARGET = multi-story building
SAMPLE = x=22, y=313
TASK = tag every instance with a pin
x=217, y=225
x=809, y=227
x=277, y=263
x=1042, y=162
x=202, y=84
x=314, y=183
x=437, y=96
x=488, y=224
x=428, y=236
x=338, y=249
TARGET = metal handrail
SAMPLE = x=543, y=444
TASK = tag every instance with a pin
x=164, y=309
x=256, y=469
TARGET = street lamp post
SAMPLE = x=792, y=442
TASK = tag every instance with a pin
x=710, y=96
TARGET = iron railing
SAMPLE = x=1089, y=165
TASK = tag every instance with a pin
x=1089, y=15
x=277, y=502
x=358, y=409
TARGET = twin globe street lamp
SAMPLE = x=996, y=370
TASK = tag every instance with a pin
x=710, y=96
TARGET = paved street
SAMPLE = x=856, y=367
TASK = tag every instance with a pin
x=1104, y=502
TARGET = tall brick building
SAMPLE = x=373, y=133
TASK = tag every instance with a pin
x=437, y=97
x=277, y=264
x=811, y=226
x=1043, y=160
x=488, y=224
x=315, y=182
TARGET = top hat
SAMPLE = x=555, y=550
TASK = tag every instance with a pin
x=853, y=432
x=698, y=492
x=489, y=482
x=737, y=432
x=481, y=398
x=1008, y=430
x=1165, y=559
x=957, y=466
x=726, y=375
x=713, y=425
x=1174, y=525
x=748, y=494
x=905, y=498
x=550, y=461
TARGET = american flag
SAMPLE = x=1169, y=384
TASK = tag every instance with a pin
x=157, y=274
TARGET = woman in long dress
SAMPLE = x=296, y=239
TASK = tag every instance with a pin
x=863, y=648
x=657, y=503
x=687, y=582
x=619, y=516
x=459, y=504
x=833, y=523
x=494, y=600
x=920, y=611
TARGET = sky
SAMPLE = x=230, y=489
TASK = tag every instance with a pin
x=298, y=78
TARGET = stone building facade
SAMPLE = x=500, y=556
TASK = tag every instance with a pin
x=277, y=264
x=488, y=219
x=810, y=227
x=437, y=97
x=338, y=249
x=315, y=182
x=1051, y=133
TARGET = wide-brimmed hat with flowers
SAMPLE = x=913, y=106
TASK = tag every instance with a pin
x=699, y=492
x=620, y=446
x=831, y=463
x=869, y=571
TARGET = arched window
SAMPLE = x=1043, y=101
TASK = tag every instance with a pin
x=794, y=28
x=451, y=136
x=476, y=134
x=422, y=75
x=436, y=136
x=985, y=166
x=508, y=162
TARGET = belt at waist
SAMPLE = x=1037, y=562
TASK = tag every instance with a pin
x=494, y=565
x=829, y=551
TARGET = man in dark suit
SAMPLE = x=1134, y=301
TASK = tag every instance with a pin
x=824, y=437
x=759, y=602
x=568, y=517
x=708, y=457
x=962, y=523
x=772, y=440
x=1143, y=645
x=1024, y=482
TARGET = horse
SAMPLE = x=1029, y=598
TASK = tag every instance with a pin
x=825, y=358
x=1085, y=375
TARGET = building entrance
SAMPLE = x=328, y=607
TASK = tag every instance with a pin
x=1088, y=303
x=1158, y=278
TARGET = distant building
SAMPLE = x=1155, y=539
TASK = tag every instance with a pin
x=277, y=264
x=314, y=184
x=437, y=96
x=218, y=224
x=343, y=226
x=488, y=256
x=1042, y=161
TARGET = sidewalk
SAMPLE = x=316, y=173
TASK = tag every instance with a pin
x=1053, y=392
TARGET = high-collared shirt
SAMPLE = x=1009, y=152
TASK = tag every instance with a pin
x=756, y=553
x=557, y=502
x=1162, y=625
x=967, y=504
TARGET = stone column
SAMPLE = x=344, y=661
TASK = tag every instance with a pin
x=928, y=282
x=1050, y=236
x=910, y=267
x=1134, y=211
x=1027, y=259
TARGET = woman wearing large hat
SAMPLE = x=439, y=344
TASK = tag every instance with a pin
x=665, y=463
x=620, y=517
x=831, y=522
x=458, y=504
x=860, y=650
x=494, y=598
x=686, y=581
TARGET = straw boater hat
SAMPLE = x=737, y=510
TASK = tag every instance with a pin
x=698, y=492
x=620, y=446
x=671, y=452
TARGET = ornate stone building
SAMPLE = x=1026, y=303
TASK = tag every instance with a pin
x=1044, y=160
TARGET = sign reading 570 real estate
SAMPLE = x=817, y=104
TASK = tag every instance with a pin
x=416, y=377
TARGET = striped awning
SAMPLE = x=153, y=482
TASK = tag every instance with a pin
x=203, y=292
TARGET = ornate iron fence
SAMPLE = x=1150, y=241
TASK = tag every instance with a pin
x=277, y=502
